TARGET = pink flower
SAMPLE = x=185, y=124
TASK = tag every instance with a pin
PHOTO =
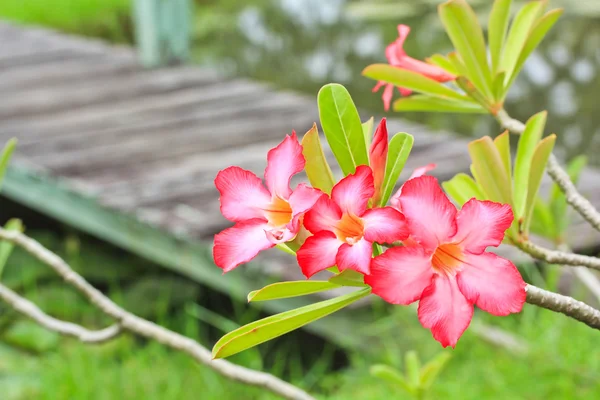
x=344, y=230
x=444, y=265
x=263, y=216
x=378, y=158
x=397, y=57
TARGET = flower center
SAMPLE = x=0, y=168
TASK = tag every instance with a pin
x=349, y=229
x=447, y=259
x=279, y=212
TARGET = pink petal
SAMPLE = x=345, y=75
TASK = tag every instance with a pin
x=378, y=157
x=352, y=193
x=318, y=253
x=240, y=243
x=422, y=170
x=395, y=200
x=378, y=86
x=387, y=95
x=482, y=224
x=400, y=275
x=384, y=225
x=303, y=198
x=356, y=256
x=492, y=283
x=445, y=310
x=428, y=70
x=430, y=215
x=243, y=196
x=403, y=32
x=322, y=216
x=404, y=91
x=283, y=162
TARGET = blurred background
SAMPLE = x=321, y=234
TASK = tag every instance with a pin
x=292, y=46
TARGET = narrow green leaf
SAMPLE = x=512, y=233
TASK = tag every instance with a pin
x=271, y=327
x=542, y=221
x=413, y=368
x=348, y=278
x=489, y=170
x=497, y=27
x=7, y=247
x=432, y=369
x=342, y=127
x=517, y=36
x=286, y=248
x=476, y=95
x=499, y=88
x=537, y=34
x=392, y=376
x=466, y=35
x=421, y=102
x=398, y=152
x=411, y=80
x=502, y=143
x=538, y=165
x=283, y=290
x=9, y=147
x=534, y=128
x=458, y=64
x=462, y=188
x=317, y=169
x=443, y=62
x=367, y=128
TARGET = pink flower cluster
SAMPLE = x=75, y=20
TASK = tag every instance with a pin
x=437, y=254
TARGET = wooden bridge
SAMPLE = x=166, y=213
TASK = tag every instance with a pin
x=129, y=155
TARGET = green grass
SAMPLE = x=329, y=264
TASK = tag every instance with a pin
x=108, y=19
x=563, y=361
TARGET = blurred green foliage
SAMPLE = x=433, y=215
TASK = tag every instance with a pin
x=108, y=19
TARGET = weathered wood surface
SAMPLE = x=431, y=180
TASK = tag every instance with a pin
x=150, y=142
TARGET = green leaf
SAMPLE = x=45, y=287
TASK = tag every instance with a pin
x=534, y=128
x=432, y=369
x=537, y=34
x=489, y=170
x=367, y=128
x=411, y=80
x=348, y=278
x=317, y=169
x=466, y=35
x=443, y=62
x=398, y=152
x=517, y=36
x=462, y=188
x=502, y=143
x=342, y=127
x=421, y=102
x=392, y=376
x=538, y=165
x=498, y=87
x=7, y=247
x=497, y=27
x=413, y=368
x=276, y=325
x=9, y=147
x=542, y=221
x=282, y=290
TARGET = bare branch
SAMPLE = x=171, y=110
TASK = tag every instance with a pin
x=150, y=330
x=32, y=311
x=559, y=175
x=587, y=277
x=558, y=257
x=564, y=305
